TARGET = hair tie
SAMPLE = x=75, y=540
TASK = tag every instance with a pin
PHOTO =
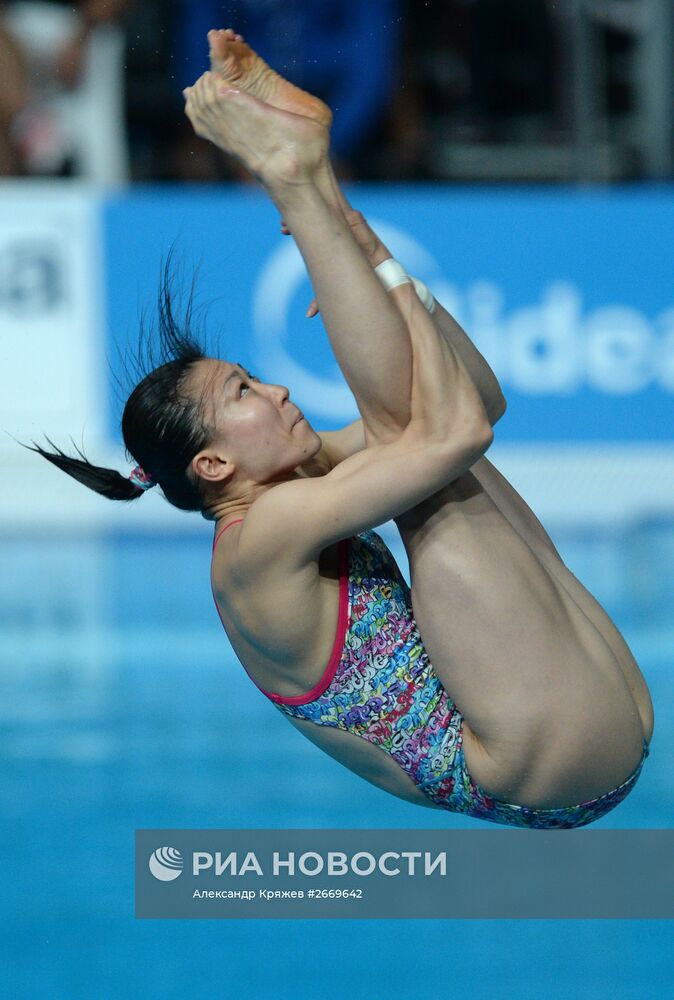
x=141, y=479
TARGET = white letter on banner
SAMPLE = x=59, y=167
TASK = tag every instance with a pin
x=543, y=344
x=620, y=351
x=200, y=862
x=289, y=864
x=382, y=866
x=372, y=864
x=337, y=863
x=250, y=864
x=303, y=863
x=229, y=862
x=430, y=866
x=411, y=858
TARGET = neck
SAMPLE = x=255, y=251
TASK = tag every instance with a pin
x=222, y=510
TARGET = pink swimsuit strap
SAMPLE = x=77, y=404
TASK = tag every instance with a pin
x=223, y=530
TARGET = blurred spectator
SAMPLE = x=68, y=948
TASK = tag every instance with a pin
x=46, y=52
x=472, y=71
x=443, y=88
x=512, y=61
x=12, y=99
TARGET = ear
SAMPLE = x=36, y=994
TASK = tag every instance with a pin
x=212, y=467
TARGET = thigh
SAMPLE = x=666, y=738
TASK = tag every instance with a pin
x=538, y=687
x=514, y=508
x=530, y=529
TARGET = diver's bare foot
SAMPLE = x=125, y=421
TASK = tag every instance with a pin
x=242, y=68
x=278, y=147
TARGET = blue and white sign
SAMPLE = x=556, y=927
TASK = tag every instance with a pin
x=568, y=295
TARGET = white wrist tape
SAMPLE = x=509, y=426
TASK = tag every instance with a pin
x=425, y=294
x=391, y=274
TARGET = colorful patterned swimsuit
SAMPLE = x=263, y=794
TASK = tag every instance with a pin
x=381, y=686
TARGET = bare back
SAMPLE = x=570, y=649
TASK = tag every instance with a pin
x=281, y=622
x=284, y=630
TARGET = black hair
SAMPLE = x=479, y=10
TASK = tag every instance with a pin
x=162, y=425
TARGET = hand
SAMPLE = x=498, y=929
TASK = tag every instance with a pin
x=367, y=240
x=275, y=145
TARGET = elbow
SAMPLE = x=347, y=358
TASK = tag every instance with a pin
x=484, y=437
x=463, y=448
x=479, y=436
x=496, y=409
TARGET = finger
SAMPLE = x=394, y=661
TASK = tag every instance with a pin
x=284, y=228
x=313, y=310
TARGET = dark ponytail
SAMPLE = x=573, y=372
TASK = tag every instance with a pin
x=162, y=425
x=107, y=482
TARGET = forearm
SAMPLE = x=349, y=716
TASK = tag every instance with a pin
x=368, y=334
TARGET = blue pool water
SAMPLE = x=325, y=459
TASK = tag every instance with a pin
x=121, y=706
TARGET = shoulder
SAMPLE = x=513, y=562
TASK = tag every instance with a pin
x=268, y=542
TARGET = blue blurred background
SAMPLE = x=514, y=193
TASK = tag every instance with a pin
x=518, y=158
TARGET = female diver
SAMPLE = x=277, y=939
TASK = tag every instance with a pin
x=498, y=687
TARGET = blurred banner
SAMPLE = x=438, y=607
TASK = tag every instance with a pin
x=568, y=294
x=51, y=342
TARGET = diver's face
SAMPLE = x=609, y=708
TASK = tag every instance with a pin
x=261, y=432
